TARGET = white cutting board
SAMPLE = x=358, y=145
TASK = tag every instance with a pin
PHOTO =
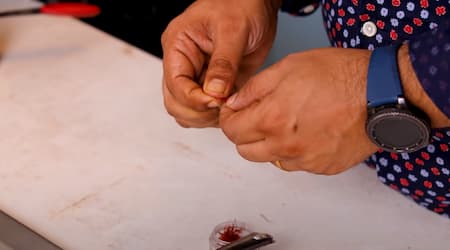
x=90, y=159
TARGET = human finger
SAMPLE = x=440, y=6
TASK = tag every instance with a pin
x=226, y=57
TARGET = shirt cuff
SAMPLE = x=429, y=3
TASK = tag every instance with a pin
x=430, y=57
x=300, y=7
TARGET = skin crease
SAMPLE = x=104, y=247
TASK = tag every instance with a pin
x=209, y=42
x=307, y=111
x=304, y=111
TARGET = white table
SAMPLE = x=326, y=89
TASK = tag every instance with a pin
x=15, y=5
x=90, y=159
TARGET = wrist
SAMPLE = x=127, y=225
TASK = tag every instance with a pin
x=275, y=3
x=414, y=91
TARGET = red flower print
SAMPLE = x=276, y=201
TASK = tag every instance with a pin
x=419, y=192
x=394, y=156
x=334, y=1
x=438, y=210
x=393, y=35
x=435, y=171
x=443, y=205
x=417, y=21
x=355, y=2
x=351, y=21
x=428, y=184
x=370, y=7
x=404, y=182
x=364, y=17
x=415, y=197
x=339, y=44
x=444, y=147
x=333, y=32
x=425, y=155
x=396, y=3
x=424, y=3
x=419, y=162
x=409, y=166
x=440, y=198
x=440, y=11
x=338, y=27
x=380, y=24
x=393, y=186
x=440, y=135
x=341, y=12
x=327, y=6
x=408, y=29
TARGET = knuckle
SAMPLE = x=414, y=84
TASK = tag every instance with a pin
x=231, y=24
x=274, y=120
x=229, y=133
x=290, y=150
x=189, y=117
x=335, y=168
x=172, y=113
x=167, y=34
x=313, y=167
x=250, y=88
x=291, y=58
x=164, y=37
x=196, y=122
x=221, y=63
x=220, y=68
x=244, y=154
x=292, y=169
x=202, y=120
x=182, y=123
x=168, y=104
x=191, y=97
x=322, y=167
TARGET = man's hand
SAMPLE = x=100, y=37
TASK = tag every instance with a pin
x=308, y=111
x=208, y=50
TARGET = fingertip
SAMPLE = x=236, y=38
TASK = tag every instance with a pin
x=231, y=101
x=213, y=104
x=217, y=88
x=220, y=76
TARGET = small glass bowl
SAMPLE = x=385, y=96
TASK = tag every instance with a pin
x=235, y=228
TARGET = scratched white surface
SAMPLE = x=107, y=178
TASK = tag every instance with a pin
x=90, y=159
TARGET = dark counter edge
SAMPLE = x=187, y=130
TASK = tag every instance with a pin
x=19, y=237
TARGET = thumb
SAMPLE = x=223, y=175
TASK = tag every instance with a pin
x=224, y=63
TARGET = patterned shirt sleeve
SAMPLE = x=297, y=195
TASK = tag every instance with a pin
x=430, y=56
x=300, y=7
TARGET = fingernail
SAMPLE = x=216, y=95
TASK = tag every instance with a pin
x=231, y=100
x=213, y=104
x=216, y=86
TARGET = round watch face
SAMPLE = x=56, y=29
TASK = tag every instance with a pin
x=398, y=130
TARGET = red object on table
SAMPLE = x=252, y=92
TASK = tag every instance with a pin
x=80, y=10
x=230, y=233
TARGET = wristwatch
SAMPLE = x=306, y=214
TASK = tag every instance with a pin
x=393, y=124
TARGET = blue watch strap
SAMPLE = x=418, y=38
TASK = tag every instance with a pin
x=383, y=80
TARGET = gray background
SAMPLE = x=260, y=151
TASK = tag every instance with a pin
x=296, y=34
